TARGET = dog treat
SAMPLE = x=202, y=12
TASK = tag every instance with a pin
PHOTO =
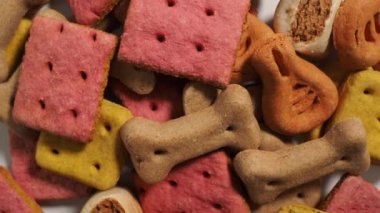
x=113, y=200
x=297, y=96
x=97, y=164
x=308, y=23
x=343, y=148
x=62, y=78
x=197, y=96
x=196, y=40
x=205, y=184
x=356, y=33
x=297, y=208
x=352, y=194
x=13, y=198
x=7, y=92
x=38, y=183
x=11, y=14
x=360, y=97
x=139, y=81
x=308, y=194
x=91, y=12
x=253, y=30
x=163, y=104
x=156, y=148
x=121, y=9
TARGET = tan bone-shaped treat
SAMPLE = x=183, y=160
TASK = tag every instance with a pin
x=197, y=96
x=140, y=81
x=11, y=13
x=155, y=148
x=357, y=33
x=343, y=148
x=297, y=96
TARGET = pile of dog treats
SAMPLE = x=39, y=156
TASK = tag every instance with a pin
x=199, y=100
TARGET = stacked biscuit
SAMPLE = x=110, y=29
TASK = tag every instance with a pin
x=195, y=102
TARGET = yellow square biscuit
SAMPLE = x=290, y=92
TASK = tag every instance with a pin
x=98, y=163
x=298, y=208
x=360, y=97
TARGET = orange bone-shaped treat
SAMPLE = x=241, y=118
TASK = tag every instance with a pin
x=357, y=33
x=297, y=96
x=155, y=148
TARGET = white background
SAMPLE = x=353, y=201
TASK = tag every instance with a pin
x=266, y=9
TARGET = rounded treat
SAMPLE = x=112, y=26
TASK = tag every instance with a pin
x=114, y=200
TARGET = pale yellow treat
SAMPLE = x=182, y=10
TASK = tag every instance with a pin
x=360, y=97
x=297, y=208
x=98, y=163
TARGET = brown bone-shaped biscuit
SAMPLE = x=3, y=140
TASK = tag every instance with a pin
x=357, y=33
x=155, y=148
x=11, y=13
x=297, y=96
x=267, y=174
x=197, y=96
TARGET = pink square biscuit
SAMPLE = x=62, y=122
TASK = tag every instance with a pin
x=62, y=79
x=89, y=12
x=196, y=39
x=205, y=184
x=162, y=104
x=38, y=183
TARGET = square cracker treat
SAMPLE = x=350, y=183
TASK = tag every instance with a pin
x=194, y=39
x=13, y=198
x=97, y=164
x=40, y=184
x=91, y=12
x=63, y=76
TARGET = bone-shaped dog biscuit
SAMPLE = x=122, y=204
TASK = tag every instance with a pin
x=343, y=148
x=297, y=96
x=155, y=148
x=197, y=96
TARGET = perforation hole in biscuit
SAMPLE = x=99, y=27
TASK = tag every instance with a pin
x=273, y=183
x=357, y=37
x=42, y=104
x=97, y=166
x=199, y=47
x=210, y=12
x=277, y=55
x=301, y=195
x=230, y=128
x=367, y=33
x=171, y=3
x=368, y=91
x=74, y=113
x=50, y=66
x=160, y=37
x=94, y=37
x=108, y=127
x=153, y=107
x=160, y=152
x=248, y=43
x=55, y=151
x=206, y=174
x=217, y=206
x=61, y=28
x=83, y=75
x=345, y=158
x=173, y=183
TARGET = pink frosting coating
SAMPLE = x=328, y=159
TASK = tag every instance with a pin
x=162, y=104
x=197, y=39
x=202, y=185
x=90, y=12
x=355, y=195
x=62, y=78
x=40, y=184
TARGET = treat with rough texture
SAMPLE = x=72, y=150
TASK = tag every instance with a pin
x=360, y=97
x=62, y=78
x=253, y=30
x=192, y=39
x=139, y=81
x=308, y=23
x=205, y=184
x=11, y=14
x=12, y=198
x=297, y=208
x=97, y=164
x=91, y=12
x=197, y=96
x=118, y=200
x=353, y=194
x=162, y=104
x=297, y=96
x=356, y=33
x=343, y=148
x=40, y=184
x=156, y=148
